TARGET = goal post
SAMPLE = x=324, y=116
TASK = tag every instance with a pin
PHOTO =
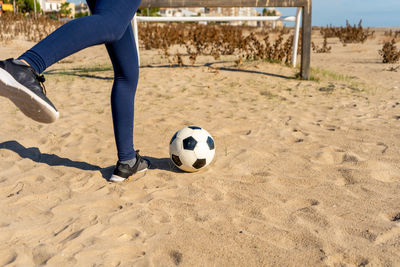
x=304, y=7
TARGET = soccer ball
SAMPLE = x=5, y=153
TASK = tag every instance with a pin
x=191, y=149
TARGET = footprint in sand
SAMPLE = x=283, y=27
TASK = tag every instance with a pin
x=382, y=171
x=327, y=156
x=311, y=218
x=293, y=135
x=41, y=255
x=348, y=176
x=351, y=157
x=122, y=232
x=366, y=234
x=7, y=257
x=160, y=216
x=176, y=257
x=332, y=156
x=392, y=234
x=374, y=148
x=17, y=189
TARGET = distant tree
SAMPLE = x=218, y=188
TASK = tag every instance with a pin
x=153, y=12
x=20, y=6
x=65, y=11
x=26, y=6
x=81, y=14
x=267, y=12
x=31, y=5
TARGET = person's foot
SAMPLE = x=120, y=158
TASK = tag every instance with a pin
x=24, y=87
x=124, y=171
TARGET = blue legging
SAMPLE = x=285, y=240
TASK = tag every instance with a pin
x=109, y=24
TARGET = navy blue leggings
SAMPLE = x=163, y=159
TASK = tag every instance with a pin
x=109, y=24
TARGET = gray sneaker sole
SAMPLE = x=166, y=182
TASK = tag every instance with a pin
x=116, y=179
x=28, y=102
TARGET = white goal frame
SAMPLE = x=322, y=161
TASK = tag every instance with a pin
x=295, y=19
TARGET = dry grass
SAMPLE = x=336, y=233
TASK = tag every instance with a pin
x=348, y=34
x=389, y=52
x=17, y=26
x=216, y=40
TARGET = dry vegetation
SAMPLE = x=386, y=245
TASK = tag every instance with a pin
x=348, y=34
x=392, y=34
x=17, y=26
x=389, y=52
x=216, y=40
x=324, y=49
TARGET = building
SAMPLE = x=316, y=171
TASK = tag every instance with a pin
x=271, y=12
x=81, y=8
x=72, y=7
x=5, y=7
x=49, y=6
x=234, y=12
x=52, y=6
x=212, y=12
x=177, y=12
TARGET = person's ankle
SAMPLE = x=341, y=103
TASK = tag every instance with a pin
x=24, y=61
x=130, y=162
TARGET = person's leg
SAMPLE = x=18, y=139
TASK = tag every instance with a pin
x=126, y=74
x=107, y=24
x=123, y=55
x=22, y=83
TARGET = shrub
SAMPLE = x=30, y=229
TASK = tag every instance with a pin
x=215, y=40
x=389, y=52
x=324, y=49
x=31, y=29
x=348, y=34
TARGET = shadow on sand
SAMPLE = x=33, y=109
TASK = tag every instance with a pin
x=164, y=164
x=85, y=72
x=232, y=69
x=34, y=154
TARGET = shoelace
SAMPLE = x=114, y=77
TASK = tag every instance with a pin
x=41, y=80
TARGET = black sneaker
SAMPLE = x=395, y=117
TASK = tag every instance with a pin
x=124, y=171
x=23, y=86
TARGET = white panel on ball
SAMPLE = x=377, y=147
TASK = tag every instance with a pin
x=200, y=135
x=176, y=146
x=188, y=157
x=202, y=150
x=210, y=156
x=185, y=132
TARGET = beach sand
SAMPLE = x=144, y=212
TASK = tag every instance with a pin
x=306, y=173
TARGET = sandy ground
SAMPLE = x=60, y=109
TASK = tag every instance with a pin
x=306, y=173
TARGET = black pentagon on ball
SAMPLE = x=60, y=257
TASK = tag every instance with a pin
x=189, y=143
x=194, y=127
x=210, y=143
x=173, y=138
x=176, y=160
x=199, y=163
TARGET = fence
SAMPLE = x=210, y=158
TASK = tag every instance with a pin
x=295, y=19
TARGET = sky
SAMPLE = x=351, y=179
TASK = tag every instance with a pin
x=374, y=13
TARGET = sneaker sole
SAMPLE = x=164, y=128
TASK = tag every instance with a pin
x=28, y=102
x=115, y=178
